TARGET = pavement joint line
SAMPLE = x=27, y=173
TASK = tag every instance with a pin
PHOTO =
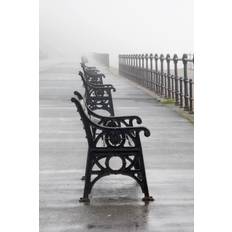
x=61, y=171
x=51, y=171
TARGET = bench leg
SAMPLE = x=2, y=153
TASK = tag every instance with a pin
x=111, y=106
x=143, y=178
x=146, y=197
x=87, y=178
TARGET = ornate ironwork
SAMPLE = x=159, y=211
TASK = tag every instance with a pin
x=92, y=75
x=107, y=141
x=98, y=97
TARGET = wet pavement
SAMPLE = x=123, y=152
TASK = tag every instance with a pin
x=115, y=200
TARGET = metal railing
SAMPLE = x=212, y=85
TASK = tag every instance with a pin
x=167, y=77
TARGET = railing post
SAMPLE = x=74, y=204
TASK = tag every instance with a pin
x=124, y=63
x=191, y=96
x=143, y=76
x=175, y=60
x=128, y=65
x=125, y=70
x=162, y=73
x=132, y=66
x=146, y=80
x=156, y=74
x=151, y=68
x=181, y=92
x=121, y=68
x=126, y=60
x=136, y=67
x=119, y=63
x=129, y=57
x=139, y=71
x=168, y=75
x=185, y=63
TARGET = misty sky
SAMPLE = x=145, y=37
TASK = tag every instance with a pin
x=72, y=27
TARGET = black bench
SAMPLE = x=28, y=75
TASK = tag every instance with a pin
x=106, y=143
x=92, y=75
x=98, y=96
x=110, y=121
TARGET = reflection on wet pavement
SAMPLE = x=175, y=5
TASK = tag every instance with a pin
x=115, y=200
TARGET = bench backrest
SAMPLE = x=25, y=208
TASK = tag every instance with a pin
x=89, y=126
x=92, y=75
x=91, y=115
x=93, y=130
x=85, y=84
x=93, y=90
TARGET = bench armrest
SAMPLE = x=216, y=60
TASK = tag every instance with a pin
x=113, y=137
x=124, y=130
x=115, y=121
x=117, y=137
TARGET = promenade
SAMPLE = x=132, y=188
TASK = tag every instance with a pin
x=116, y=200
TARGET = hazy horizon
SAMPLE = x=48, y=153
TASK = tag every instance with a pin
x=71, y=28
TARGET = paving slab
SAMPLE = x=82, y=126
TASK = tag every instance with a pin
x=115, y=200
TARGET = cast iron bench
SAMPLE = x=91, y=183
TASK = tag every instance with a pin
x=110, y=121
x=98, y=96
x=106, y=143
x=92, y=75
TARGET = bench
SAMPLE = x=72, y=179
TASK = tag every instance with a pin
x=98, y=96
x=108, y=142
x=92, y=75
x=111, y=121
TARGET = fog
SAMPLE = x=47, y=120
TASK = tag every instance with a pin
x=70, y=28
